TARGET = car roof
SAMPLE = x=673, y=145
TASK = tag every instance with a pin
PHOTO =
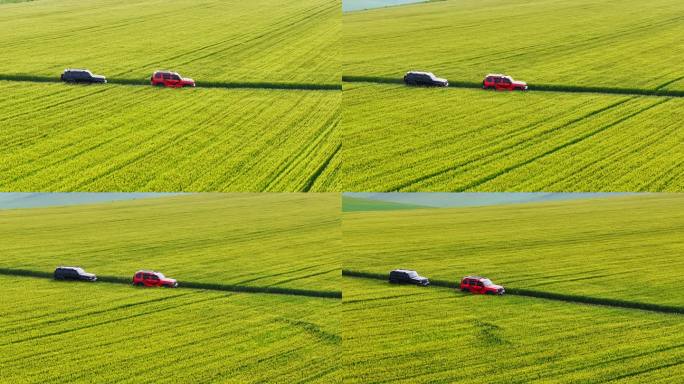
x=146, y=271
x=403, y=270
x=69, y=267
x=420, y=73
x=76, y=69
x=474, y=277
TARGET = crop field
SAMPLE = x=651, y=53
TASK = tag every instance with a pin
x=212, y=40
x=624, y=248
x=613, y=44
x=288, y=241
x=409, y=334
x=128, y=138
x=56, y=332
x=406, y=139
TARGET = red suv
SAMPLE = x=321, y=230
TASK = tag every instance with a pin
x=483, y=285
x=498, y=81
x=153, y=279
x=170, y=79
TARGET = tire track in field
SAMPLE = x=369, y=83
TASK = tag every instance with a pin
x=625, y=146
x=523, y=143
x=578, y=299
x=304, y=153
x=55, y=104
x=557, y=148
x=107, y=322
x=275, y=26
x=312, y=180
x=312, y=329
x=274, y=31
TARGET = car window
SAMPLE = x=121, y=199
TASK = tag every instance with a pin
x=167, y=76
x=479, y=284
x=158, y=75
x=175, y=77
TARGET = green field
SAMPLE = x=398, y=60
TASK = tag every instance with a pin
x=406, y=139
x=622, y=44
x=405, y=334
x=278, y=133
x=125, y=138
x=54, y=332
x=622, y=248
x=260, y=240
x=211, y=40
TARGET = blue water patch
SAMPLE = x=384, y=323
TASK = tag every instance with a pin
x=474, y=199
x=35, y=200
x=358, y=5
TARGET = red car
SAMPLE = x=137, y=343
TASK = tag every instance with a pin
x=153, y=279
x=171, y=79
x=477, y=284
x=498, y=81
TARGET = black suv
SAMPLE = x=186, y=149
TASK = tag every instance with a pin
x=404, y=276
x=81, y=76
x=424, y=78
x=73, y=273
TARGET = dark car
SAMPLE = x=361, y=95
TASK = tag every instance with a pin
x=405, y=276
x=427, y=79
x=81, y=76
x=73, y=273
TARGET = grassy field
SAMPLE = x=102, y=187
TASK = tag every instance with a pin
x=624, y=44
x=211, y=40
x=624, y=248
x=406, y=334
x=406, y=139
x=123, y=138
x=53, y=332
x=262, y=240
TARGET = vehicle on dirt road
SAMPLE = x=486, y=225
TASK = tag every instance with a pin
x=153, y=279
x=498, y=81
x=482, y=285
x=405, y=276
x=171, y=80
x=81, y=76
x=427, y=79
x=73, y=273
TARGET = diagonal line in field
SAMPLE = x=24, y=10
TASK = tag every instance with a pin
x=462, y=164
x=558, y=148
